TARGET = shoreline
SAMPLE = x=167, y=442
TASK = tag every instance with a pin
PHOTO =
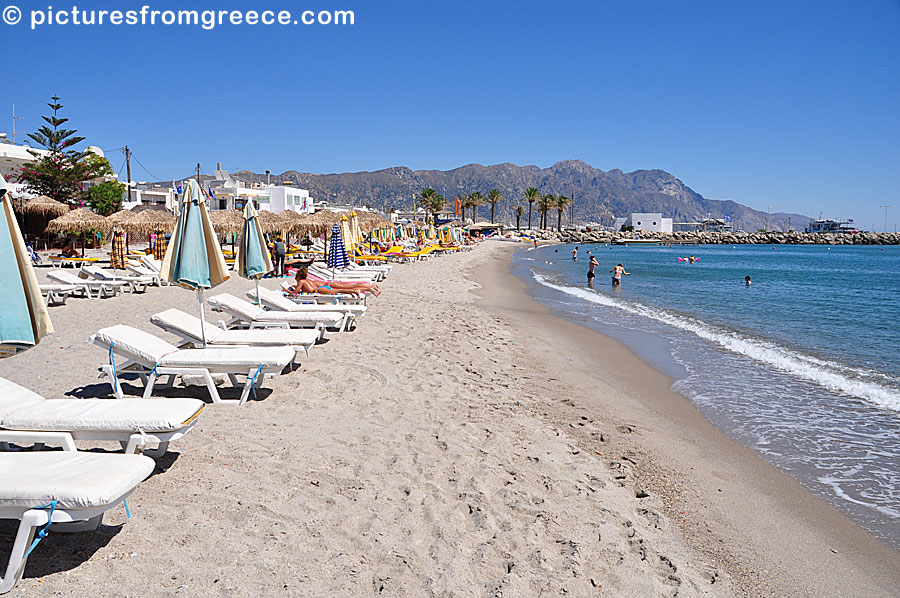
x=768, y=531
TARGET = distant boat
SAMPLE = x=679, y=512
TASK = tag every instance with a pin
x=637, y=242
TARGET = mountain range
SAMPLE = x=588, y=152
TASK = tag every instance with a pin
x=599, y=196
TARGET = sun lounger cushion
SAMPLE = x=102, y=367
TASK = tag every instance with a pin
x=22, y=409
x=175, y=320
x=147, y=347
x=77, y=480
x=231, y=357
x=69, y=278
x=14, y=397
x=152, y=349
x=57, y=288
x=279, y=301
x=254, y=313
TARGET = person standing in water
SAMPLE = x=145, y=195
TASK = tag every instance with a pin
x=617, y=273
x=747, y=280
x=590, y=273
x=575, y=254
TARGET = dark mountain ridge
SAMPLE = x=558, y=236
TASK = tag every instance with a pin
x=599, y=195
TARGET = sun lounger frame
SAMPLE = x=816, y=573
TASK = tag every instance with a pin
x=149, y=375
x=30, y=519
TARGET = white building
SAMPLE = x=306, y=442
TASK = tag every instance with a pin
x=651, y=222
x=231, y=193
x=12, y=158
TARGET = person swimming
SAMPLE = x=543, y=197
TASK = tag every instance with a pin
x=747, y=280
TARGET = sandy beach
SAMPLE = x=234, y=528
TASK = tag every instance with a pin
x=462, y=441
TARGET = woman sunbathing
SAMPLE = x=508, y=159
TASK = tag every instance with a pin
x=332, y=287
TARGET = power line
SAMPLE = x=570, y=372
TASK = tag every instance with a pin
x=136, y=159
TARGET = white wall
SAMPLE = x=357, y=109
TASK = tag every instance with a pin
x=650, y=222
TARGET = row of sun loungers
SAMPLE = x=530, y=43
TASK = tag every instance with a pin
x=252, y=342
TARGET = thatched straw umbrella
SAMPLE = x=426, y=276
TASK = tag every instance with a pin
x=119, y=217
x=45, y=206
x=269, y=221
x=150, y=221
x=40, y=210
x=227, y=223
x=18, y=205
x=146, y=222
x=79, y=222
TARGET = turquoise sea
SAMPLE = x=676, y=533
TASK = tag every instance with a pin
x=803, y=365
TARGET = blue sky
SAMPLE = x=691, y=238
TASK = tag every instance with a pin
x=794, y=105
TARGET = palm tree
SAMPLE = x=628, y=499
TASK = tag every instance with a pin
x=425, y=197
x=520, y=211
x=494, y=197
x=531, y=196
x=435, y=205
x=561, y=202
x=475, y=199
x=544, y=204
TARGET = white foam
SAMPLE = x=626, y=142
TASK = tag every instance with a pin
x=836, y=486
x=819, y=371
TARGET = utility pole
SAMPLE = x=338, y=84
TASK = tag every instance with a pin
x=768, y=213
x=128, y=170
x=885, y=215
x=198, y=175
x=14, y=119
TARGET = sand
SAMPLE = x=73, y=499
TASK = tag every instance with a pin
x=461, y=442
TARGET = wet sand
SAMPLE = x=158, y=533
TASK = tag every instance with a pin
x=461, y=442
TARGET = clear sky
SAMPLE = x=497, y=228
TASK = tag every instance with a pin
x=790, y=104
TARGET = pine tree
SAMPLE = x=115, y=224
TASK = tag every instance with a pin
x=59, y=173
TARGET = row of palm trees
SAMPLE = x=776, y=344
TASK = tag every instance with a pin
x=433, y=202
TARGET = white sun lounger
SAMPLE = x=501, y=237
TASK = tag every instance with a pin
x=70, y=489
x=27, y=417
x=383, y=268
x=88, y=288
x=188, y=328
x=275, y=300
x=331, y=274
x=151, y=263
x=57, y=294
x=257, y=317
x=141, y=270
x=135, y=284
x=151, y=357
x=322, y=299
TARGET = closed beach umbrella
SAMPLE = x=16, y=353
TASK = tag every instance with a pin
x=355, y=232
x=117, y=251
x=23, y=318
x=194, y=259
x=346, y=236
x=337, y=253
x=252, y=259
x=159, y=248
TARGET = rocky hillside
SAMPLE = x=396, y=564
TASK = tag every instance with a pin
x=599, y=195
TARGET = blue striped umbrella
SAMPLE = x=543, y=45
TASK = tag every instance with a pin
x=337, y=253
x=23, y=317
x=252, y=259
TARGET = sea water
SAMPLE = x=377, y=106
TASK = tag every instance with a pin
x=802, y=365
